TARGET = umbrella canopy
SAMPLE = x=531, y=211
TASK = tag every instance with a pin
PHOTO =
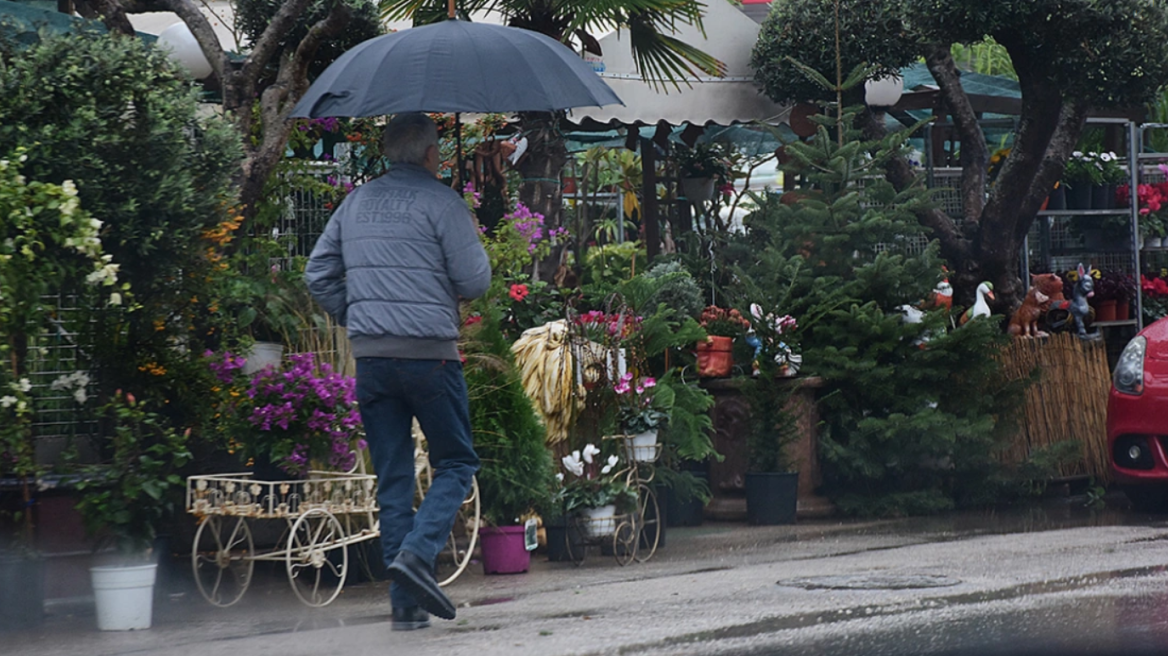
x=455, y=66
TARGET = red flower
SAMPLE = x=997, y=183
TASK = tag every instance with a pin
x=473, y=319
x=518, y=292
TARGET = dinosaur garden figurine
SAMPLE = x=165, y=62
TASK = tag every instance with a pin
x=1084, y=289
x=981, y=308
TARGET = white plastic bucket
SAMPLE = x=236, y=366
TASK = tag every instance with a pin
x=644, y=446
x=601, y=521
x=262, y=354
x=124, y=596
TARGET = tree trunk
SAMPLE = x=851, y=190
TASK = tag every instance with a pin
x=541, y=167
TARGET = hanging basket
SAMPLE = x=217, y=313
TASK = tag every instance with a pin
x=698, y=190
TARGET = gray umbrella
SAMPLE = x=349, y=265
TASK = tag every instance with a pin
x=455, y=66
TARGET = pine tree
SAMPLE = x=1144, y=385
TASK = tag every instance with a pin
x=908, y=408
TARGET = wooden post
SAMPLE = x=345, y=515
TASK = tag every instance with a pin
x=649, y=199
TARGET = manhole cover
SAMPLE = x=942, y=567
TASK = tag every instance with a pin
x=870, y=582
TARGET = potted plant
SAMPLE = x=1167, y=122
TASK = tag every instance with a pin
x=640, y=414
x=771, y=486
x=1083, y=171
x=594, y=490
x=1112, y=174
x=124, y=500
x=700, y=168
x=285, y=419
x=715, y=354
x=49, y=245
x=1112, y=288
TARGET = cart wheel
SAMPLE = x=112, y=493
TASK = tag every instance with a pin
x=624, y=542
x=222, y=559
x=464, y=536
x=648, y=520
x=315, y=577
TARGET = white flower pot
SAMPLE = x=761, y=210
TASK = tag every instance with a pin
x=262, y=354
x=1153, y=242
x=644, y=446
x=697, y=190
x=599, y=521
x=124, y=596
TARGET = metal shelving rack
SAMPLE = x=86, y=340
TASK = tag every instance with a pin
x=1052, y=244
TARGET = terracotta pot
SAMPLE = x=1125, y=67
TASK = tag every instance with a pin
x=715, y=356
x=1122, y=310
x=1105, y=311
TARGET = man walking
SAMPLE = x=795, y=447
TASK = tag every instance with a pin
x=391, y=266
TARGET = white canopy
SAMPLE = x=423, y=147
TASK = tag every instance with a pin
x=730, y=36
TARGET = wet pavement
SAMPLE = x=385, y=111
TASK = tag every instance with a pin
x=1044, y=578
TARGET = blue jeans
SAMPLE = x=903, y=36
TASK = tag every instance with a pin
x=391, y=392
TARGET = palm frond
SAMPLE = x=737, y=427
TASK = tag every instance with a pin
x=664, y=60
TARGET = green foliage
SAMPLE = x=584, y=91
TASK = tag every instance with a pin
x=987, y=57
x=772, y=427
x=1110, y=54
x=126, y=498
x=517, y=470
x=114, y=116
x=688, y=436
x=48, y=245
x=871, y=33
x=253, y=17
x=606, y=266
x=905, y=425
x=676, y=288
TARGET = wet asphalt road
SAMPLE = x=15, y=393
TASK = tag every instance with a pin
x=1058, y=578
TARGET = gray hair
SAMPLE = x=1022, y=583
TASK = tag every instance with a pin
x=407, y=138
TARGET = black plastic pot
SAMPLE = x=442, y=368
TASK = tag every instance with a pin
x=558, y=536
x=771, y=498
x=683, y=513
x=1103, y=197
x=22, y=592
x=1079, y=196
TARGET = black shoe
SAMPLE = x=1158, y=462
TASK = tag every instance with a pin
x=410, y=618
x=414, y=575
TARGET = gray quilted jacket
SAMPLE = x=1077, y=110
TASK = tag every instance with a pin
x=393, y=262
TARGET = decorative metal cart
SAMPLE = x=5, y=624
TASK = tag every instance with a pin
x=633, y=535
x=324, y=514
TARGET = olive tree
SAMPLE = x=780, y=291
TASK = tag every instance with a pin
x=257, y=100
x=1071, y=57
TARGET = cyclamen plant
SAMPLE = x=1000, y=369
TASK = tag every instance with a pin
x=307, y=413
x=592, y=484
x=637, y=413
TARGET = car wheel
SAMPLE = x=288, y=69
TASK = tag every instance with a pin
x=1148, y=498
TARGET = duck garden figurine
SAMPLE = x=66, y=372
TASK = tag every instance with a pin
x=981, y=308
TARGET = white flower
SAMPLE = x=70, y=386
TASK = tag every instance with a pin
x=560, y=477
x=756, y=310
x=573, y=464
x=79, y=395
x=22, y=385
x=612, y=460
x=21, y=406
x=68, y=188
x=590, y=451
x=7, y=401
x=115, y=299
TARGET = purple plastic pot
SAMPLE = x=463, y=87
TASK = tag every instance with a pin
x=503, y=550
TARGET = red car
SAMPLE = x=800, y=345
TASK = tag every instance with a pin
x=1137, y=419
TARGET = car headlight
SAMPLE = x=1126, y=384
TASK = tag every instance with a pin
x=1129, y=372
